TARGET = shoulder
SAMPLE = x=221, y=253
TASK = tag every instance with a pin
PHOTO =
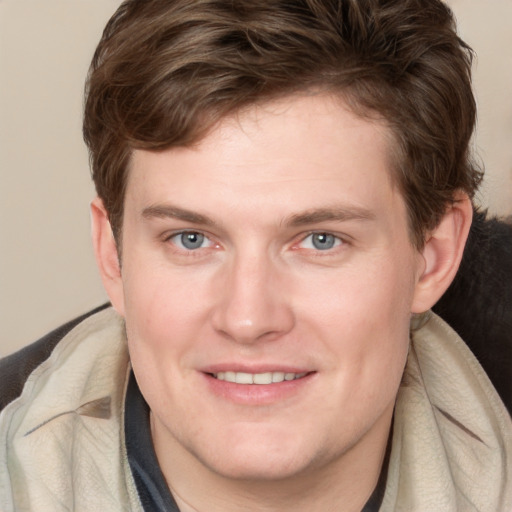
x=15, y=368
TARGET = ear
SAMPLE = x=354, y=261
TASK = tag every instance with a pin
x=107, y=258
x=442, y=254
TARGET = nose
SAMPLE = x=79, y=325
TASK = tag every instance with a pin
x=252, y=305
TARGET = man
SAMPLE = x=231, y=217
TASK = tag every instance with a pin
x=284, y=191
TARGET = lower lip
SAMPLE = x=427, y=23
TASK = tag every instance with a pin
x=257, y=394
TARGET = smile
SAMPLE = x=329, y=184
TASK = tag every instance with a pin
x=257, y=378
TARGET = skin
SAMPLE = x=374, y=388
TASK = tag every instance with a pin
x=258, y=295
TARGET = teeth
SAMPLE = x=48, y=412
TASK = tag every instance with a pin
x=278, y=377
x=243, y=378
x=262, y=378
x=257, y=378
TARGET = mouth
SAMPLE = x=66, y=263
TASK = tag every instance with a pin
x=263, y=386
x=257, y=378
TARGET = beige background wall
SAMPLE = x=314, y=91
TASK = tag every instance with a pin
x=47, y=271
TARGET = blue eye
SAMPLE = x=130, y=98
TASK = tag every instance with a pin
x=321, y=241
x=190, y=240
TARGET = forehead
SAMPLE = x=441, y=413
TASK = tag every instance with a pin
x=303, y=149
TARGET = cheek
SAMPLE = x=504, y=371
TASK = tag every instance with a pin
x=164, y=311
x=164, y=320
x=372, y=294
x=362, y=317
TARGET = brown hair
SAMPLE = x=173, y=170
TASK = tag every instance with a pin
x=165, y=71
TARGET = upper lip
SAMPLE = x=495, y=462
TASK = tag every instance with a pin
x=259, y=368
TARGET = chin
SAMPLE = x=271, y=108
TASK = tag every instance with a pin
x=253, y=457
x=264, y=468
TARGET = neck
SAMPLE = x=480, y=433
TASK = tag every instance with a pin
x=347, y=481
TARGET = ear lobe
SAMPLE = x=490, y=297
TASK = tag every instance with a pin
x=105, y=251
x=442, y=254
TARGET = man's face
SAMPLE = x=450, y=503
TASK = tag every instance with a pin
x=277, y=248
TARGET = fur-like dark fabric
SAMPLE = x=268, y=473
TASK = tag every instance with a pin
x=478, y=304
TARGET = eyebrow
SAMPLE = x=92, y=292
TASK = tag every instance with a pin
x=337, y=214
x=168, y=211
x=313, y=216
